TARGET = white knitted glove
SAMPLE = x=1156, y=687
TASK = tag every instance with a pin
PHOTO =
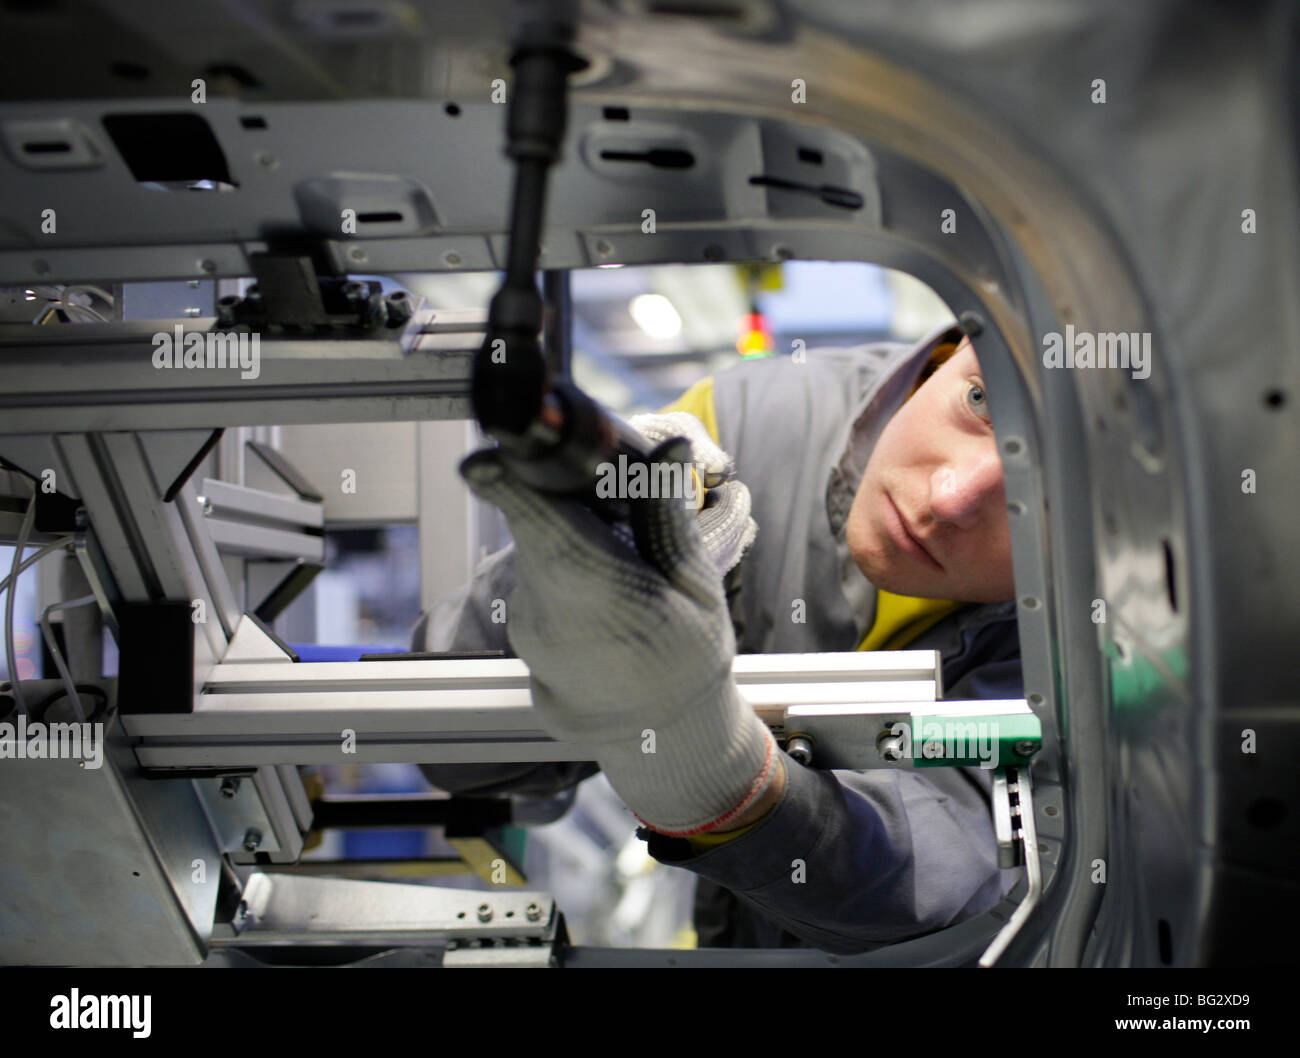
x=723, y=519
x=627, y=661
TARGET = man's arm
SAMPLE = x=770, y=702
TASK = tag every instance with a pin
x=852, y=860
x=849, y=860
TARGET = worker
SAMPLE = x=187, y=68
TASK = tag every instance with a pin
x=873, y=478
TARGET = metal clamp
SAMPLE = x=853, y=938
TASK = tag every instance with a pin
x=1013, y=821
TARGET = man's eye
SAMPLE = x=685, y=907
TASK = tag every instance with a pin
x=978, y=401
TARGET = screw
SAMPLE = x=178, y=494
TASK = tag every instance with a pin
x=205, y=505
x=971, y=323
x=533, y=912
x=207, y=266
x=452, y=258
x=890, y=747
x=1027, y=747
x=226, y=308
x=485, y=913
x=229, y=787
x=357, y=254
x=399, y=306
x=252, y=839
x=800, y=749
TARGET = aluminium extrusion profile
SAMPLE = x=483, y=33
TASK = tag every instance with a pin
x=256, y=524
x=258, y=708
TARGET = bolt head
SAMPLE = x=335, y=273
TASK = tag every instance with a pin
x=484, y=913
x=891, y=748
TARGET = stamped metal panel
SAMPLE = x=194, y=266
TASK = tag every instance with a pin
x=102, y=867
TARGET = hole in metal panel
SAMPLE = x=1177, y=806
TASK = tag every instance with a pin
x=657, y=157
x=1266, y=813
x=730, y=12
x=1171, y=578
x=168, y=148
x=129, y=71
x=234, y=72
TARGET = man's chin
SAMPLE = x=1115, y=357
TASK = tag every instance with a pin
x=920, y=585
x=884, y=578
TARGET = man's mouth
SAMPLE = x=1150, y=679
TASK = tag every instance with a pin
x=904, y=538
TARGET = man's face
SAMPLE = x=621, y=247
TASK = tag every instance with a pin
x=936, y=468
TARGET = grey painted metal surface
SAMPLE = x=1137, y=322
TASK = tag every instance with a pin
x=103, y=867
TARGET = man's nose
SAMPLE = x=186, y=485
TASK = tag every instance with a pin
x=963, y=489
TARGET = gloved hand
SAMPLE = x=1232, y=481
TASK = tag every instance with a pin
x=626, y=661
x=723, y=518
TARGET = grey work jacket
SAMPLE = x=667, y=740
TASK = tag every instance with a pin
x=886, y=854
